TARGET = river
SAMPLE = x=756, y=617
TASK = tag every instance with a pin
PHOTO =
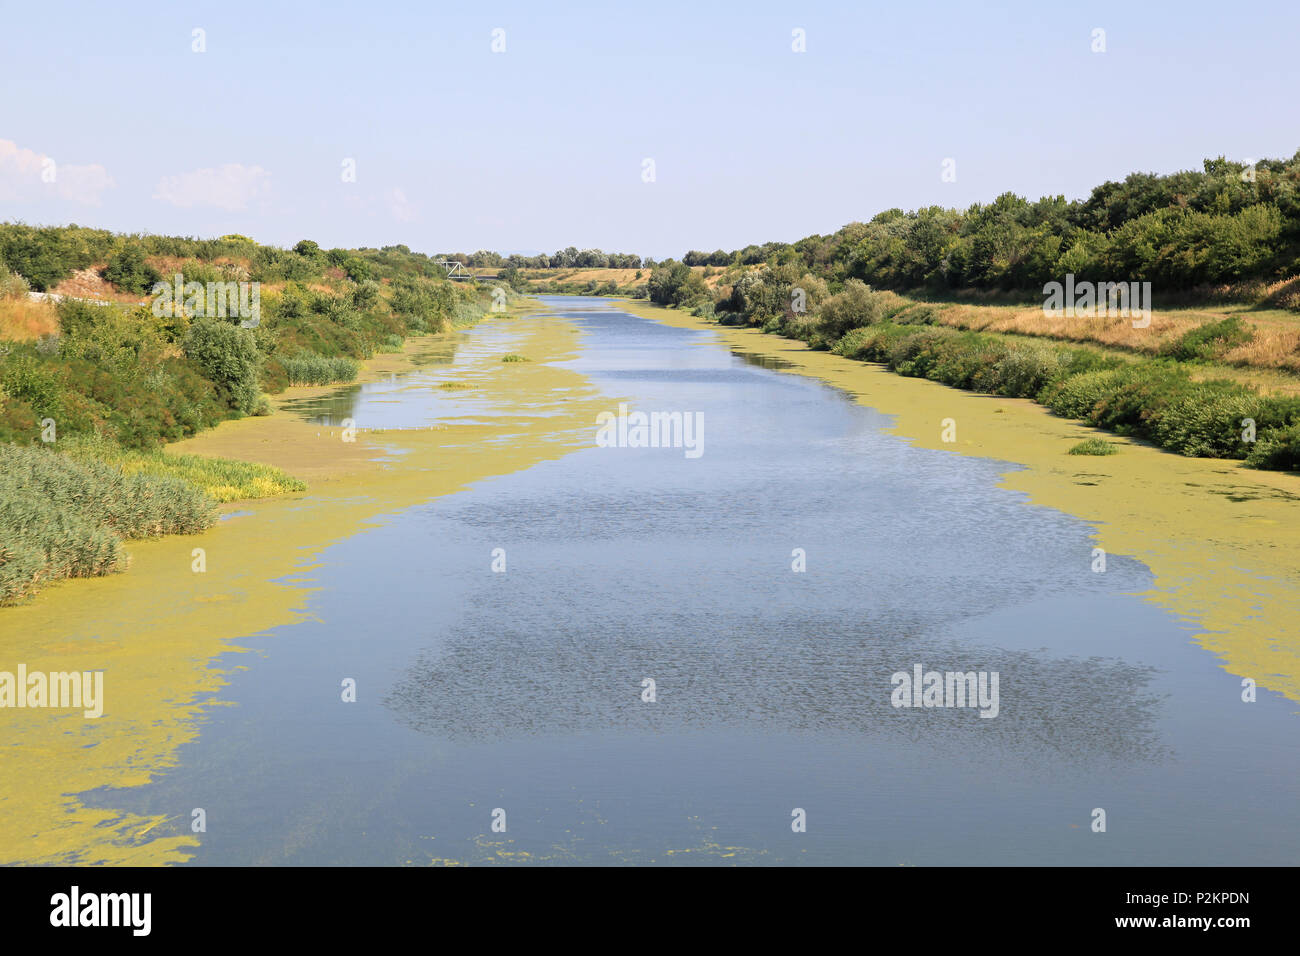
x=519, y=697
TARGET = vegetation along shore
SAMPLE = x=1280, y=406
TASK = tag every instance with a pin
x=96, y=378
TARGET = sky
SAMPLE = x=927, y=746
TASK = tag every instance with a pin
x=641, y=128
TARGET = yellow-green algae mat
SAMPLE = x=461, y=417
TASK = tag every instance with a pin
x=156, y=629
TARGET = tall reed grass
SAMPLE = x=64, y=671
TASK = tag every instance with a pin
x=65, y=517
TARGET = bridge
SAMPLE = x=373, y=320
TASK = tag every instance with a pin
x=456, y=270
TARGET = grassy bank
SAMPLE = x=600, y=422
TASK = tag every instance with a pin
x=92, y=390
x=1153, y=399
x=144, y=375
x=66, y=514
x=1166, y=395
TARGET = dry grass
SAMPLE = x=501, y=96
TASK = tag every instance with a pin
x=23, y=320
x=619, y=277
x=1275, y=343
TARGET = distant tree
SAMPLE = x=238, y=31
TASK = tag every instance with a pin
x=128, y=271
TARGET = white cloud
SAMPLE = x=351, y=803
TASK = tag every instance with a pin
x=26, y=175
x=231, y=186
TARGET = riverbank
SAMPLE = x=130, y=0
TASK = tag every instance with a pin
x=1219, y=538
x=156, y=631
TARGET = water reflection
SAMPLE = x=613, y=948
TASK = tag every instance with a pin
x=797, y=674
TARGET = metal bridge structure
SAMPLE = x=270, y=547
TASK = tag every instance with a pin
x=456, y=270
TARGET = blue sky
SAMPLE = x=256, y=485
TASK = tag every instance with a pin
x=543, y=145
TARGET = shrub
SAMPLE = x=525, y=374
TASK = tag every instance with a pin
x=512, y=357
x=227, y=354
x=201, y=272
x=1078, y=395
x=12, y=285
x=1135, y=405
x=128, y=271
x=798, y=326
x=967, y=360
x=26, y=378
x=43, y=256
x=1207, y=420
x=1277, y=451
x=871, y=344
x=1026, y=369
x=1210, y=341
x=853, y=308
x=366, y=295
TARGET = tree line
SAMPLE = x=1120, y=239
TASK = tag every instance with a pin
x=1226, y=223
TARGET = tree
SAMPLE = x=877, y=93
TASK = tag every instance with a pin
x=226, y=354
x=128, y=271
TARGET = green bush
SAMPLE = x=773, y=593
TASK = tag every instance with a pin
x=46, y=256
x=1210, y=341
x=26, y=377
x=1277, y=451
x=129, y=272
x=366, y=296
x=1134, y=405
x=853, y=308
x=874, y=344
x=917, y=315
x=227, y=354
x=12, y=285
x=1206, y=420
x=1078, y=395
x=1026, y=369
